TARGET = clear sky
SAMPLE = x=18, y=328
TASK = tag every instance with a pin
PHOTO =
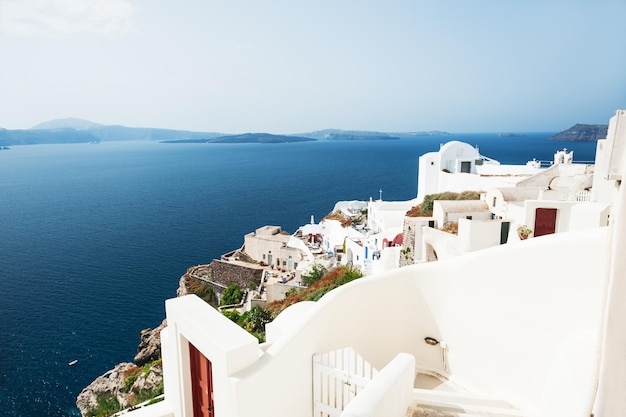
x=289, y=66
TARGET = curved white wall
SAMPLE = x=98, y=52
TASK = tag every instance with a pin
x=506, y=311
x=503, y=313
x=378, y=317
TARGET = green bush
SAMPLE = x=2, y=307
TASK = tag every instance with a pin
x=427, y=204
x=232, y=295
x=233, y=315
x=348, y=274
x=316, y=273
x=202, y=290
x=128, y=383
x=255, y=320
x=252, y=284
x=106, y=405
x=145, y=394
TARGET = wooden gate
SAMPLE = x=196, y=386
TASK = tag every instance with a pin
x=338, y=376
x=201, y=383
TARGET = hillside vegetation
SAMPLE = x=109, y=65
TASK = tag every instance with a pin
x=426, y=208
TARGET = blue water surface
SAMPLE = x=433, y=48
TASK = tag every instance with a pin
x=93, y=238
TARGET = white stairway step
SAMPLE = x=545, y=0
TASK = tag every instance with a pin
x=429, y=403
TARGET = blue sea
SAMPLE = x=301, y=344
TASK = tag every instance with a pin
x=94, y=238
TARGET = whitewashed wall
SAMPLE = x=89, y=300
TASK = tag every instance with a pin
x=504, y=315
x=476, y=234
x=428, y=175
x=504, y=321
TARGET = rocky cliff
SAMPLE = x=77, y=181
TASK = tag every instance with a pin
x=124, y=386
x=129, y=384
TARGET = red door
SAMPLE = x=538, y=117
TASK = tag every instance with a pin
x=545, y=221
x=201, y=383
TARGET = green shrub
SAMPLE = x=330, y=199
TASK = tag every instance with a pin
x=255, y=320
x=316, y=273
x=146, y=368
x=202, y=290
x=128, y=383
x=347, y=274
x=106, y=405
x=427, y=204
x=252, y=284
x=233, y=315
x=232, y=295
x=146, y=394
x=156, y=400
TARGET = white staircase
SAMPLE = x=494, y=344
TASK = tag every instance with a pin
x=432, y=403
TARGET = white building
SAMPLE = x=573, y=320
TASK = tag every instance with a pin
x=459, y=167
x=271, y=246
x=383, y=215
x=486, y=333
x=561, y=198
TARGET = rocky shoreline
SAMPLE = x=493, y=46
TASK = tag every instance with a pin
x=129, y=382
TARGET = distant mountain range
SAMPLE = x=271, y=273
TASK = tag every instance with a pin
x=84, y=131
x=72, y=130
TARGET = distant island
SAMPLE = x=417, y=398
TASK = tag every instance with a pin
x=73, y=130
x=246, y=138
x=511, y=135
x=582, y=132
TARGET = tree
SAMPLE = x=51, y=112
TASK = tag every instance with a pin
x=232, y=295
x=257, y=319
x=314, y=275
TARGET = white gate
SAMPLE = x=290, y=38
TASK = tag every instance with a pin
x=338, y=377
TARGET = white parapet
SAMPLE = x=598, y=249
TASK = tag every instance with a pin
x=389, y=393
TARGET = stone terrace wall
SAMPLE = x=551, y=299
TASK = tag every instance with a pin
x=228, y=273
x=407, y=255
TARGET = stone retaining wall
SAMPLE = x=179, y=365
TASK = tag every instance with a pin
x=227, y=273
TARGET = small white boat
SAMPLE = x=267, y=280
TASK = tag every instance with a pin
x=74, y=362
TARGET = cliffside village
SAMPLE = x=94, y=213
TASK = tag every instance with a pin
x=376, y=235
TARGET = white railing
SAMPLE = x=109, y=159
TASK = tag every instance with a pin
x=389, y=394
x=583, y=195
